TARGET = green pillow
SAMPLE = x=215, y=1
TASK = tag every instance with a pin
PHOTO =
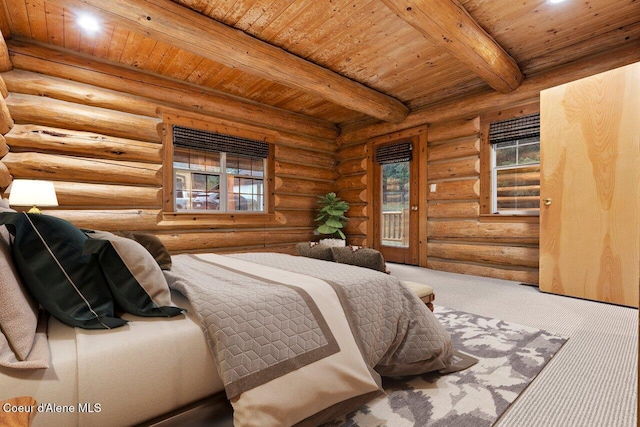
x=47, y=251
x=134, y=277
x=151, y=243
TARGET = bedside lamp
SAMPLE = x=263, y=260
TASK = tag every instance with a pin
x=31, y=192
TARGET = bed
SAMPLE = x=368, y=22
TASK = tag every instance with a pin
x=290, y=340
x=135, y=373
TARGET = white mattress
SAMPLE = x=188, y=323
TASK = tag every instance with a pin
x=147, y=368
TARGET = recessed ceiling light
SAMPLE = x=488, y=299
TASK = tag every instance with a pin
x=554, y=1
x=88, y=23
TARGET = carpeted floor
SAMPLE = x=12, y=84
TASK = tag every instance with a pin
x=592, y=381
x=509, y=357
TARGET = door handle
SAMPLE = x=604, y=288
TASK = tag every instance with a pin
x=547, y=201
x=414, y=208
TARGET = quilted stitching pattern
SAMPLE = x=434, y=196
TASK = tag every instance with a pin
x=395, y=326
x=250, y=325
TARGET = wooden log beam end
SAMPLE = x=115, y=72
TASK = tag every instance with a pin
x=5, y=176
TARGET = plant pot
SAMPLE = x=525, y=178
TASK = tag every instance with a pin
x=336, y=243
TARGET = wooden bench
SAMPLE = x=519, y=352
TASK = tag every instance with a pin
x=424, y=292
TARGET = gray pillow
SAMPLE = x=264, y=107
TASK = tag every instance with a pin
x=314, y=250
x=153, y=244
x=18, y=309
x=362, y=257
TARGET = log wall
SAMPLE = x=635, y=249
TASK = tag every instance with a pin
x=460, y=239
x=103, y=149
x=352, y=187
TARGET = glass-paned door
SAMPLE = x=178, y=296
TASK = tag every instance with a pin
x=395, y=202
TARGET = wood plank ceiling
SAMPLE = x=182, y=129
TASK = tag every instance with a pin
x=362, y=40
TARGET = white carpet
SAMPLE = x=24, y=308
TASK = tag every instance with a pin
x=592, y=381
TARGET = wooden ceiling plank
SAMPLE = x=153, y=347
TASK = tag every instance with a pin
x=199, y=71
x=590, y=46
x=293, y=23
x=18, y=17
x=175, y=24
x=282, y=22
x=197, y=5
x=341, y=21
x=130, y=48
x=5, y=23
x=37, y=20
x=55, y=24
x=340, y=53
x=368, y=62
x=87, y=43
x=146, y=47
x=357, y=23
x=102, y=47
x=237, y=11
x=478, y=103
x=167, y=59
x=446, y=22
x=71, y=33
x=271, y=13
x=187, y=68
x=216, y=80
x=159, y=51
x=118, y=40
x=253, y=14
x=212, y=8
x=212, y=68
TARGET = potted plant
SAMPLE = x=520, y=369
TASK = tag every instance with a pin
x=332, y=218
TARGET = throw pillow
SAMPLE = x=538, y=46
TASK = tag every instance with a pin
x=362, y=257
x=153, y=244
x=39, y=357
x=136, y=281
x=18, y=309
x=314, y=250
x=47, y=252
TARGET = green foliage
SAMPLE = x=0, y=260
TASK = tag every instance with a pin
x=332, y=215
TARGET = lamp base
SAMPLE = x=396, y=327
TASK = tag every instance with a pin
x=34, y=210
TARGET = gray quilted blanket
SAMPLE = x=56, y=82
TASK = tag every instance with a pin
x=260, y=327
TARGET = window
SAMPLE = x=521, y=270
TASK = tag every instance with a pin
x=213, y=172
x=515, y=165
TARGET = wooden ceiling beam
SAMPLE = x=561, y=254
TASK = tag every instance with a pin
x=179, y=26
x=472, y=106
x=447, y=23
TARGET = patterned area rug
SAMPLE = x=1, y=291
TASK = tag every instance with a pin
x=510, y=357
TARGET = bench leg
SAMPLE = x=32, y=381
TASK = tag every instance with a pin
x=428, y=300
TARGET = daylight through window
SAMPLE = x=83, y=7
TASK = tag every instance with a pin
x=218, y=173
x=515, y=165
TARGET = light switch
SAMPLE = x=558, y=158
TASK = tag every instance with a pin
x=432, y=188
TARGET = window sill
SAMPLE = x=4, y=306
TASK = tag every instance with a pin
x=218, y=219
x=509, y=218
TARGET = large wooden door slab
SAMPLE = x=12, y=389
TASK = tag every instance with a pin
x=590, y=187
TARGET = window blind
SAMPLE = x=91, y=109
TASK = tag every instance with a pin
x=394, y=153
x=203, y=140
x=518, y=128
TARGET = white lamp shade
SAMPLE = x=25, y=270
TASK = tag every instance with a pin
x=31, y=192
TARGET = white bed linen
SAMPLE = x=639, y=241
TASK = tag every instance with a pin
x=147, y=368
